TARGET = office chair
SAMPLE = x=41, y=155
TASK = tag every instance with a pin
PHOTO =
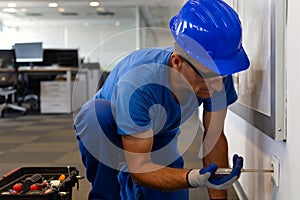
x=8, y=82
x=30, y=90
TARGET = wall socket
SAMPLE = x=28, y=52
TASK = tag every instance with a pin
x=275, y=165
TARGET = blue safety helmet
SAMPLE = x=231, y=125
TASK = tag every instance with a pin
x=210, y=32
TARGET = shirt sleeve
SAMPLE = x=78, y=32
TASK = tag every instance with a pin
x=223, y=98
x=132, y=109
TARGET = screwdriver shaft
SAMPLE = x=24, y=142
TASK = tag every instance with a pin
x=228, y=170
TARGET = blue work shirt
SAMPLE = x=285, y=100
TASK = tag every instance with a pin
x=139, y=88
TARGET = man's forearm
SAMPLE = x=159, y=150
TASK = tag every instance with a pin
x=165, y=178
x=218, y=155
x=215, y=145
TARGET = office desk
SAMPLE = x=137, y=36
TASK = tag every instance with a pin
x=7, y=70
x=56, y=70
x=55, y=96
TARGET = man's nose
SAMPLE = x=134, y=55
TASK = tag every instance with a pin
x=216, y=84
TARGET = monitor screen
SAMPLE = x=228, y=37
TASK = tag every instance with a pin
x=29, y=52
x=7, y=58
x=61, y=57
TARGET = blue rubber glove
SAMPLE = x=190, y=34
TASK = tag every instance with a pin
x=206, y=177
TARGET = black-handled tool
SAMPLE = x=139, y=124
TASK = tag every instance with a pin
x=35, y=178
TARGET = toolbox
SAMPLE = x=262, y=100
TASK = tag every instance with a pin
x=62, y=190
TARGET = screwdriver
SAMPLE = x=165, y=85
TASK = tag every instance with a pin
x=228, y=170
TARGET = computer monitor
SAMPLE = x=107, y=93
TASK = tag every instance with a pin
x=29, y=52
x=61, y=57
x=7, y=58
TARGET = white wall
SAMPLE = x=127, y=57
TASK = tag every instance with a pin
x=257, y=148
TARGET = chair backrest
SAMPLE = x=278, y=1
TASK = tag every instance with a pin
x=8, y=79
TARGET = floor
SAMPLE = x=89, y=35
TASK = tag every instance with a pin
x=49, y=140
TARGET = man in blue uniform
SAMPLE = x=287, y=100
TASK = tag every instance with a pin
x=128, y=133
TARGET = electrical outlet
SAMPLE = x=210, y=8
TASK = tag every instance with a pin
x=275, y=165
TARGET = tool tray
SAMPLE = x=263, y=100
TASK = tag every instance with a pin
x=64, y=192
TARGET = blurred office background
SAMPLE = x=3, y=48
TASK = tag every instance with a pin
x=83, y=25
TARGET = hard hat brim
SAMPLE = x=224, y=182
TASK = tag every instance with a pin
x=239, y=62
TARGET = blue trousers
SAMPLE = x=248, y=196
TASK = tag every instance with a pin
x=101, y=152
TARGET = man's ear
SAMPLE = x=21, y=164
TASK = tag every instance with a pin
x=176, y=62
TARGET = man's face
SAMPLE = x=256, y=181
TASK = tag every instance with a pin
x=203, y=81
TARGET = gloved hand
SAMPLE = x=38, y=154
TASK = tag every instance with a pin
x=206, y=177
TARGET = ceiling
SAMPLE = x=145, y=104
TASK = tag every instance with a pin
x=156, y=13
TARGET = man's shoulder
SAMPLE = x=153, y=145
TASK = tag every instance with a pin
x=166, y=49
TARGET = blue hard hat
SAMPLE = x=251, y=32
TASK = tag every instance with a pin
x=210, y=32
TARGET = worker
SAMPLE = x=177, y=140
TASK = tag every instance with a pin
x=128, y=132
